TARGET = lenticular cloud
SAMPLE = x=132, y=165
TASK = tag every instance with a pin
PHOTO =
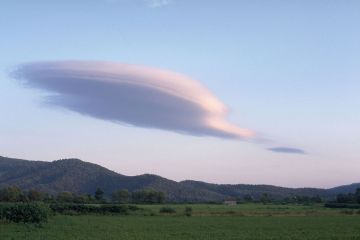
x=132, y=94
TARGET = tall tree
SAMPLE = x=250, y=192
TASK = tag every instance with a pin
x=121, y=196
x=99, y=194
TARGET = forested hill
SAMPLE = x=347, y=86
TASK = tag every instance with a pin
x=77, y=176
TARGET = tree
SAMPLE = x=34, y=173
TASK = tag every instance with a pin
x=302, y=199
x=316, y=199
x=34, y=195
x=65, y=197
x=357, y=195
x=120, y=196
x=345, y=198
x=148, y=196
x=265, y=198
x=99, y=194
x=248, y=198
x=160, y=197
x=349, y=198
x=84, y=198
x=10, y=194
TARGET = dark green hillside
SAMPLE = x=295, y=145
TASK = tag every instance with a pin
x=62, y=175
x=76, y=176
x=240, y=190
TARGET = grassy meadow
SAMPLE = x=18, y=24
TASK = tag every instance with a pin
x=208, y=221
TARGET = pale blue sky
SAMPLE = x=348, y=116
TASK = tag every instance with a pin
x=289, y=70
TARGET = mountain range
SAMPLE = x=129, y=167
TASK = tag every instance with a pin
x=77, y=176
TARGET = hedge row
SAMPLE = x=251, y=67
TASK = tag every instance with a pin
x=39, y=212
x=88, y=208
x=343, y=205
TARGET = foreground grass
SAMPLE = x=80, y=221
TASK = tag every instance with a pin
x=186, y=228
x=252, y=209
x=209, y=221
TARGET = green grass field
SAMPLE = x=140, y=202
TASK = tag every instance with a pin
x=245, y=221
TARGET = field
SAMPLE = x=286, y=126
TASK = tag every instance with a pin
x=244, y=221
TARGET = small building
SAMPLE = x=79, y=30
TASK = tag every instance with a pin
x=230, y=202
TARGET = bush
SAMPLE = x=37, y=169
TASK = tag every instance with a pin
x=167, y=210
x=188, y=211
x=26, y=213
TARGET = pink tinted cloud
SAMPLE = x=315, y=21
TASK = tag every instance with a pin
x=133, y=94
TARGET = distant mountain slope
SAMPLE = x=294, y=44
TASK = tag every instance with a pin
x=77, y=176
x=239, y=190
x=344, y=189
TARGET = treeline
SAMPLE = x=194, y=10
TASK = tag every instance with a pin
x=350, y=200
x=34, y=206
x=15, y=194
x=266, y=198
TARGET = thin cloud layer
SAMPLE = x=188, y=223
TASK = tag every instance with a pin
x=149, y=3
x=132, y=94
x=287, y=150
x=158, y=3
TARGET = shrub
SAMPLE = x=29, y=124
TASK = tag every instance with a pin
x=167, y=210
x=188, y=211
x=26, y=213
x=348, y=212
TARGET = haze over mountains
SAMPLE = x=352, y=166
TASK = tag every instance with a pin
x=77, y=176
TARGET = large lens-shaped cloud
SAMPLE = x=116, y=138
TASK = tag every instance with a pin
x=133, y=94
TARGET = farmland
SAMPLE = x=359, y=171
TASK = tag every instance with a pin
x=208, y=221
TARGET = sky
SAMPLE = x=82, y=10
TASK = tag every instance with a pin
x=235, y=91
